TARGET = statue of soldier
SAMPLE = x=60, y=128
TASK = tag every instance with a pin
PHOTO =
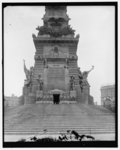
x=40, y=82
x=45, y=63
x=80, y=79
x=72, y=82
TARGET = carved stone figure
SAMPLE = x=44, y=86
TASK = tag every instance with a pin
x=45, y=63
x=40, y=82
x=85, y=73
x=54, y=32
x=83, y=77
x=80, y=79
x=72, y=82
x=67, y=62
x=29, y=75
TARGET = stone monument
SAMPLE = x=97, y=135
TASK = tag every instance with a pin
x=56, y=77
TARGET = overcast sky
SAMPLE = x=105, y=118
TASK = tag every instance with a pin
x=96, y=46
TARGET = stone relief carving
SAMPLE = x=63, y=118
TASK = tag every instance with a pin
x=55, y=52
x=54, y=32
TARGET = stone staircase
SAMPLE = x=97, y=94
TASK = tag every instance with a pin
x=35, y=119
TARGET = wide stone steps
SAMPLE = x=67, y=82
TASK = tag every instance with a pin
x=26, y=128
x=57, y=126
x=34, y=119
x=49, y=123
x=61, y=129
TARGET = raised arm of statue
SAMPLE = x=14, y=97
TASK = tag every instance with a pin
x=91, y=69
x=85, y=73
x=26, y=70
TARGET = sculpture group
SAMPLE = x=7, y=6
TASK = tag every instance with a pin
x=82, y=79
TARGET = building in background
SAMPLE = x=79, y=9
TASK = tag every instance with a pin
x=12, y=101
x=108, y=96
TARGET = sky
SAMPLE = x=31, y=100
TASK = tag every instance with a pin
x=96, y=46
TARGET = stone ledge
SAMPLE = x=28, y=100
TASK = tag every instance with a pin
x=61, y=102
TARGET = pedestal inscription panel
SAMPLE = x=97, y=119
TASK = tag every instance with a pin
x=56, y=78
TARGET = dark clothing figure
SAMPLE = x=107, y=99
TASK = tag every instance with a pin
x=77, y=136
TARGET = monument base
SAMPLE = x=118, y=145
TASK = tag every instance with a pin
x=29, y=99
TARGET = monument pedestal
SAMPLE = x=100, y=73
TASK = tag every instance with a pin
x=21, y=101
x=39, y=95
x=84, y=96
x=30, y=99
x=73, y=95
x=78, y=93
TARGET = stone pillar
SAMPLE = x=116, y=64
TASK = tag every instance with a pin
x=78, y=93
x=86, y=97
x=85, y=94
x=66, y=79
x=30, y=98
x=21, y=100
x=34, y=88
x=25, y=91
